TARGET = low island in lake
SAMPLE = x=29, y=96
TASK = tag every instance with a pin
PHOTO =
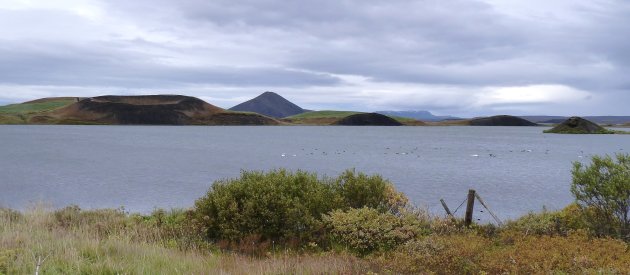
x=578, y=125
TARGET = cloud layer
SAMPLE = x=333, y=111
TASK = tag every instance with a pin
x=460, y=57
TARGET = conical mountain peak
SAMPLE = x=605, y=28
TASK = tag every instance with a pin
x=269, y=104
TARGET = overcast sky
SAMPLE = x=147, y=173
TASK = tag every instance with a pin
x=462, y=57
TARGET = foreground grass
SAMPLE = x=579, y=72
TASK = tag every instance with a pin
x=472, y=253
x=111, y=242
x=74, y=241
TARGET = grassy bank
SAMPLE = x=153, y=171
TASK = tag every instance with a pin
x=112, y=242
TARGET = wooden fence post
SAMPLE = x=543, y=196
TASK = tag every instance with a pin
x=489, y=211
x=469, y=207
x=448, y=211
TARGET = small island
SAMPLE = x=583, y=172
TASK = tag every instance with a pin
x=578, y=125
x=501, y=120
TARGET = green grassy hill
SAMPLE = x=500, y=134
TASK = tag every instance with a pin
x=20, y=113
x=36, y=106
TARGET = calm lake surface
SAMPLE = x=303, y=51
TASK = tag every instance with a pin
x=514, y=169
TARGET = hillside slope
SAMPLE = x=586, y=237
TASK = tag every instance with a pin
x=21, y=112
x=147, y=110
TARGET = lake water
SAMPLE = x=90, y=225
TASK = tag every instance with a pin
x=514, y=169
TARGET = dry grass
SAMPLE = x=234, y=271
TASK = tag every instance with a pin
x=509, y=253
x=73, y=241
x=109, y=242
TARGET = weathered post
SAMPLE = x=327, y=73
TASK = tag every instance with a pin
x=489, y=211
x=469, y=207
x=448, y=211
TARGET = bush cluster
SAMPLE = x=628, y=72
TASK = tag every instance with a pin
x=282, y=205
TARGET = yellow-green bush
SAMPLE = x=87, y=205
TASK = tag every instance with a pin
x=562, y=222
x=367, y=230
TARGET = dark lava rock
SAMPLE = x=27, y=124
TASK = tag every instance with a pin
x=151, y=109
x=578, y=125
x=503, y=120
x=269, y=104
x=368, y=119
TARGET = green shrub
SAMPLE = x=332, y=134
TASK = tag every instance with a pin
x=367, y=230
x=275, y=205
x=552, y=223
x=361, y=190
x=281, y=205
x=602, y=189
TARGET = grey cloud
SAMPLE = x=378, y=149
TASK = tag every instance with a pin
x=296, y=46
x=93, y=65
x=442, y=42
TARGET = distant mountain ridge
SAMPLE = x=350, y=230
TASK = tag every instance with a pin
x=269, y=104
x=420, y=115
